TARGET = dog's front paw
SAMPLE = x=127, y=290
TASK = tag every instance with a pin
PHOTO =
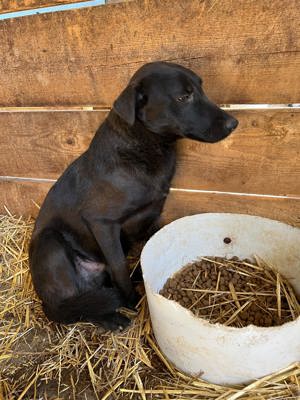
x=115, y=321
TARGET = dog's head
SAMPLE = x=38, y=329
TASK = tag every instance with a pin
x=169, y=100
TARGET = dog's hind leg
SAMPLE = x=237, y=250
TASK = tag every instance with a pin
x=97, y=306
x=58, y=284
x=52, y=268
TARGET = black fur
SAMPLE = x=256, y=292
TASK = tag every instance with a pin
x=113, y=194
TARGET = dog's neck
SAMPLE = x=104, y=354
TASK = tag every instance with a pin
x=118, y=143
x=137, y=133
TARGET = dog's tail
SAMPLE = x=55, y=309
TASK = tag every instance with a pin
x=98, y=306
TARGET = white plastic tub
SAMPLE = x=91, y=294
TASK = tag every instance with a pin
x=222, y=355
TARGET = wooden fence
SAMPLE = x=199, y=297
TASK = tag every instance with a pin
x=246, y=51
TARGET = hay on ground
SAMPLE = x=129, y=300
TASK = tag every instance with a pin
x=43, y=360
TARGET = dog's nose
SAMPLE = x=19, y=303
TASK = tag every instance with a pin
x=231, y=123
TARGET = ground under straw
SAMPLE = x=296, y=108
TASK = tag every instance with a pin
x=43, y=360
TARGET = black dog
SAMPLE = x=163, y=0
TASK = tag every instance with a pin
x=114, y=193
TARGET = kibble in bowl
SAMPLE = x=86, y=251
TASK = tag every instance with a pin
x=234, y=292
x=237, y=347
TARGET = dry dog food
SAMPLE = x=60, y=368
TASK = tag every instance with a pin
x=233, y=292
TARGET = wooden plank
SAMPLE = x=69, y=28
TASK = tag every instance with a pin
x=20, y=199
x=180, y=204
x=42, y=145
x=115, y=1
x=262, y=156
x=246, y=51
x=7, y=6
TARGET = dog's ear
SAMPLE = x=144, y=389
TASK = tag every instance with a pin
x=125, y=105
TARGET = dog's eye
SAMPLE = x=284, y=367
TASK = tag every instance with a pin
x=185, y=98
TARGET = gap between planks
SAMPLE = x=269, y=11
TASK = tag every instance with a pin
x=45, y=180
x=99, y=108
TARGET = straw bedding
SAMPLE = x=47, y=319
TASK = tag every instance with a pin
x=44, y=360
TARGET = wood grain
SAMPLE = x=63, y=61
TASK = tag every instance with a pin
x=115, y=1
x=7, y=6
x=262, y=156
x=247, y=51
x=180, y=204
x=42, y=145
x=21, y=199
